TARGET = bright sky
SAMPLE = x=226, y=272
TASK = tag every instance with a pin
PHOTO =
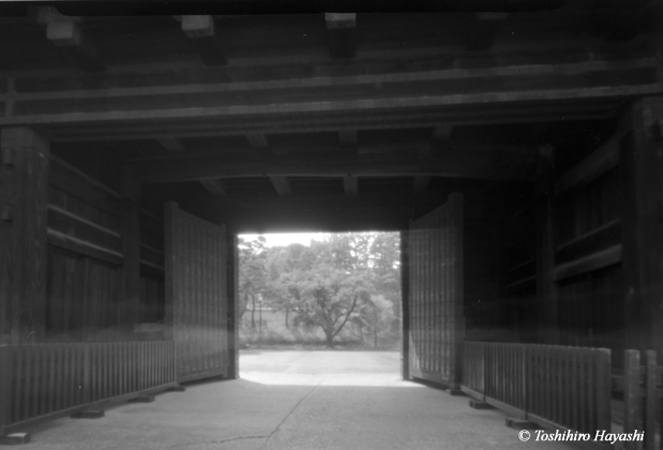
x=285, y=239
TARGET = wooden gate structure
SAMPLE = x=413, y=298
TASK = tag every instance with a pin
x=196, y=293
x=436, y=294
x=546, y=115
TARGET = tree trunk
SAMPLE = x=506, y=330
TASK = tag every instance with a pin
x=253, y=312
x=330, y=339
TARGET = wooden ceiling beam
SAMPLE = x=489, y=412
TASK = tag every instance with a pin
x=281, y=184
x=350, y=185
x=341, y=29
x=215, y=187
x=200, y=29
x=485, y=162
x=74, y=43
x=386, y=120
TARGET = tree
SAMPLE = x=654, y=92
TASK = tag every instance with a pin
x=328, y=298
x=252, y=274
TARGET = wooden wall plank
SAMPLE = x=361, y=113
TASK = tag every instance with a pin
x=642, y=174
x=198, y=294
x=232, y=277
x=23, y=198
x=130, y=191
x=436, y=294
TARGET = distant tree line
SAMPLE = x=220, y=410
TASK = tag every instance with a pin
x=342, y=282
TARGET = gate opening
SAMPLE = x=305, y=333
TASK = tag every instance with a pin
x=320, y=292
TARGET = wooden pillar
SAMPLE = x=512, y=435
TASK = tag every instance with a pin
x=405, y=305
x=232, y=268
x=169, y=209
x=130, y=192
x=24, y=163
x=641, y=151
x=546, y=289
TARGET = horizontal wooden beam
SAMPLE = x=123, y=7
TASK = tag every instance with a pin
x=552, y=111
x=215, y=187
x=80, y=185
x=281, y=184
x=601, y=238
x=350, y=185
x=200, y=29
x=595, y=261
x=63, y=240
x=602, y=160
x=326, y=95
x=482, y=162
x=76, y=45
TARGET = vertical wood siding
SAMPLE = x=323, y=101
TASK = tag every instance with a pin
x=436, y=294
x=196, y=263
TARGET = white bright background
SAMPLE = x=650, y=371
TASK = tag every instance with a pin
x=285, y=239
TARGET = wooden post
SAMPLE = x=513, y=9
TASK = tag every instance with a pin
x=169, y=288
x=603, y=389
x=546, y=289
x=457, y=250
x=651, y=399
x=632, y=398
x=6, y=371
x=405, y=305
x=232, y=268
x=641, y=151
x=24, y=164
x=130, y=192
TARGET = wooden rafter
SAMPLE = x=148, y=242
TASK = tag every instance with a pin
x=74, y=43
x=200, y=29
x=341, y=28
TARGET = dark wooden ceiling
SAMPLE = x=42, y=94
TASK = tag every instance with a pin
x=288, y=120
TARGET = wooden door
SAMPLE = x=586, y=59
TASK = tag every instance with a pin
x=436, y=323
x=196, y=294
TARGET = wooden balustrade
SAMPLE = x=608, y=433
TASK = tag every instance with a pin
x=554, y=386
x=46, y=381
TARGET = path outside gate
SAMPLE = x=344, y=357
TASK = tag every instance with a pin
x=295, y=400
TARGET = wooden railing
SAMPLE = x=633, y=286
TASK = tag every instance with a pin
x=554, y=386
x=641, y=386
x=45, y=381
